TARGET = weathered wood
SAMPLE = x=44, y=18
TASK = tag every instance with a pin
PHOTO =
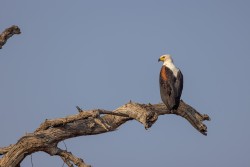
x=51, y=132
x=7, y=33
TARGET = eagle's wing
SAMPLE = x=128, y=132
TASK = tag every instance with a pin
x=179, y=85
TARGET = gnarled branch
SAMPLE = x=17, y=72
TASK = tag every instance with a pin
x=7, y=33
x=91, y=122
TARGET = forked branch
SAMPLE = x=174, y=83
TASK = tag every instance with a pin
x=91, y=122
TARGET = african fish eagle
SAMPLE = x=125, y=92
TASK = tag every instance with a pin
x=171, y=82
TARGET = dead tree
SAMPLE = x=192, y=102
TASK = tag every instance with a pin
x=90, y=122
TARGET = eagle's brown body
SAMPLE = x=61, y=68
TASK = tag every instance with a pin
x=171, y=85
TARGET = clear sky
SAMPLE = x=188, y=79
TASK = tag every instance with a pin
x=101, y=54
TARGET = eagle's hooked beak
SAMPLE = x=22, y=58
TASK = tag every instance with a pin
x=161, y=59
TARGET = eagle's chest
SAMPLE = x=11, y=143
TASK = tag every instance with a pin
x=163, y=74
x=167, y=74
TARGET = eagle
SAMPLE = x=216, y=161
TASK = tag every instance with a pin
x=171, y=82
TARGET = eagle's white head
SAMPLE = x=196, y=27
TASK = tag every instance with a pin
x=168, y=62
x=166, y=59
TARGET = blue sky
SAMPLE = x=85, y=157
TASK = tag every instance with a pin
x=101, y=54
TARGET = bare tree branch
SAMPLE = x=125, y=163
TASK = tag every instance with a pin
x=90, y=122
x=7, y=33
x=67, y=157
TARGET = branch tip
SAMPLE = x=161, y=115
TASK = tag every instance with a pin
x=79, y=109
x=7, y=33
x=206, y=117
